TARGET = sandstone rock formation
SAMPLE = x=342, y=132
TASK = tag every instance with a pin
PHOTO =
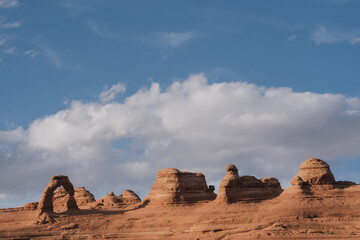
x=315, y=172
x=126, y=199
x=46, y=201
x=315, y=181
x=129, y=197
x=81, y=195
x=314, y=207
x=174, y=186
x=234, y=188
x=30, y=206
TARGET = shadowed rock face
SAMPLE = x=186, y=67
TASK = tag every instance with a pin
x=235, y=188
x=174, y=186
x=315, y=172
x=81, y=195
x=46, y=201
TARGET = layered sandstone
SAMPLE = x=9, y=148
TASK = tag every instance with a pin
x=315, y=172
x=46, y=201
x=126, y=199
x=172, y=186
x=129, y=197
x=234, y=188
x=312, y=208
x=81, y=195
x=316, y=181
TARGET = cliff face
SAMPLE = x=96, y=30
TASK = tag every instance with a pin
x=173, y=186
x=234, y=188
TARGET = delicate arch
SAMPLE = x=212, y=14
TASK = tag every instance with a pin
x=46, y=201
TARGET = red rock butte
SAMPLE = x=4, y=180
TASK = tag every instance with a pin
x=181, y=205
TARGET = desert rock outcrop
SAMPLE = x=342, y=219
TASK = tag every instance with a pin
x=316, y=181
x=306, y=210
x=81, y=195
x=127, y=198
x=315, y=172
x=234, y=188
x=30, y=206
x=174, y=186
x=46, y=201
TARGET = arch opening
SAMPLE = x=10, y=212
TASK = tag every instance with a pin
x=46, y=201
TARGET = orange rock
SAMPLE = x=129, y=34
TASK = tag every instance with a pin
x=81, y=195
x=235, y=188
x=126, y=199
x=173, y=186
x=129, y=197
x=30, y=206
x=46, y=201
x=315, y=172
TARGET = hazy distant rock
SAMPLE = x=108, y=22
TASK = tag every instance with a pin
x=235, y=188
x=30, y=206
x=173, y=186
x=315, y=172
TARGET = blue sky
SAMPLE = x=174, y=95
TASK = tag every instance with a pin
x=61, y=61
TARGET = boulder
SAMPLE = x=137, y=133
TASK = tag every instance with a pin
x=314, y=172
x=172, y=186
x=234, y=188
x=30, y=206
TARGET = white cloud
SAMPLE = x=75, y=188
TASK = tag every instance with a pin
x=173, y=39
x=5, y=24
x=110, y=94
x=3, y=41
x=292, y=37
x=11, y=50
x=323, y=35
x=31, y=53
x=103, y=31
x=12, y=137
x=75, y=8
x=192, y=125
x=53, y=56
x=9, y=3
x=355, y=40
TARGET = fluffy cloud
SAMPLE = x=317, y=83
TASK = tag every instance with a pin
x=191, y=125
x=323, y=35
